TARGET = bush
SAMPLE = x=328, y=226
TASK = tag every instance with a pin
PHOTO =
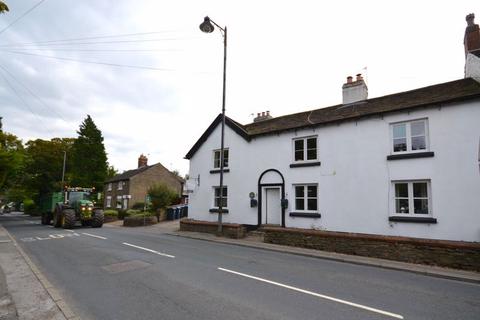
x=141, y=214
x=138, y=206
x=29, y=207
x=110, y=213
x=132, y=212
x=122, y=214
x=161, y=196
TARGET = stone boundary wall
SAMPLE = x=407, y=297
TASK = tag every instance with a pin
x=230, y=230
x=138, y=221
x=444, y=253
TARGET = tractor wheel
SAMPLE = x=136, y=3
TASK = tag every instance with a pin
x=44, y=218
x=68, y=218
x=57, y=219
x=98, y=217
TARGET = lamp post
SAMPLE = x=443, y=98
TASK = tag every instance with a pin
x=207, y=26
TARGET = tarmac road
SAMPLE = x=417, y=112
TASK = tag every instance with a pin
x=124, y=273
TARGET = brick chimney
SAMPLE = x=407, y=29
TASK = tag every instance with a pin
x=471, y=42
x=262, y=116
x=354, y=91
x=142, y=161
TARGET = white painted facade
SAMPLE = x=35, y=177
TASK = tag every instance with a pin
x=354, y=180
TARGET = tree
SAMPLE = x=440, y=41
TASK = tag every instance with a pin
x=111, y=172
x=89, y=161
x=44, y=165
x=161, y=196
x=12, y=155
x=3, y=7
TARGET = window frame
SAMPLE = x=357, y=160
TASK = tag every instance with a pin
x=108, y=203
x=109, y=187
x=214, y=204
x=305, y=149
x=408, y=136
x=120, y=185
x=225, y=150
x=411, y=199
x=305, y=197
x=119, y=202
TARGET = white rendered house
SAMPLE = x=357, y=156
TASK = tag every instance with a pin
x=406, y=164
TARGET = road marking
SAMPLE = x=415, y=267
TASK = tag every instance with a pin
x=95, y=236
x=149, y=250
x=356, y=305
x=69, y=230
x=50, y=237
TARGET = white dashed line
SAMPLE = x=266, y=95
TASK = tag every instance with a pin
x=69, y=230
x=352, y=304
x=93, y=235
x=149, y=250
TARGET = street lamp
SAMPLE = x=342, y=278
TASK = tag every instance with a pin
x=207, y=27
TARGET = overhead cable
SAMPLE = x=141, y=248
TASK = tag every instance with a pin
x=23, y=15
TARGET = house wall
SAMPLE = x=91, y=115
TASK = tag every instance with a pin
x=115, y=192
x=140, y=183
x=354, y=179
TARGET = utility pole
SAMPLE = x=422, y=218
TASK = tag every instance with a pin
x=63, y=171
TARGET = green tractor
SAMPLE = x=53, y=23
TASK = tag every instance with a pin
x=72, y=205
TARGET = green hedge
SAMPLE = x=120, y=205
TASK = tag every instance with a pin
x=110, y=213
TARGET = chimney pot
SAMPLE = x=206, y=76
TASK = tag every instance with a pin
x=268, y=113
x=142, y=161
x=354, y=91
x=263, y=114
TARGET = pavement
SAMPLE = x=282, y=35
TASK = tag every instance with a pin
x=25, y=293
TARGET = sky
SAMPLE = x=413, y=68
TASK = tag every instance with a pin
x=152, y=81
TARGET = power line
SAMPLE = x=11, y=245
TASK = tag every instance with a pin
x=32, y=93
x=98, y=37
x=92, y=62
x=25, y=103
x=99, y=42
x=23, y=15
x=94, y=50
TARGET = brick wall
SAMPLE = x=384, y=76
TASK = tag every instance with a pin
x=230, y=230
x=452, y=254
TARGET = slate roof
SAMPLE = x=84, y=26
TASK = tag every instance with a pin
x=439, y=94
x=127, y=174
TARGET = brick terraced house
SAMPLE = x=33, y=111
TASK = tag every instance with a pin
x=405, y=164
x=125, y=189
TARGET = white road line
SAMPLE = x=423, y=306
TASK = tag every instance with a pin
x=356, y=305
x=93, y=235
x=149, y=250
x=69, y=230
